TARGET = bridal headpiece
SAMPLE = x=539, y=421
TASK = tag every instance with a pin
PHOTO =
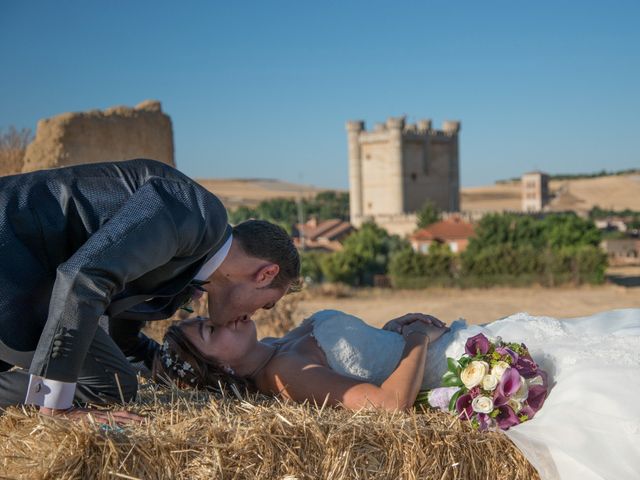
x=172, y=361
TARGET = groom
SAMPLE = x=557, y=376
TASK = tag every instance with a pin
x=129, y=241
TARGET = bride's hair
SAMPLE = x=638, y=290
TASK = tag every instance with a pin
x=179, y=362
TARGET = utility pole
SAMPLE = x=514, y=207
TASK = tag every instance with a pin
x=301, y=230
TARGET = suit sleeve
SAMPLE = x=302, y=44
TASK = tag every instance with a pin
x=135, y=345
x=158, y=222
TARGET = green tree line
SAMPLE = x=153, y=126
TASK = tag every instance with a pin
x=284, y=211
x=507, y=249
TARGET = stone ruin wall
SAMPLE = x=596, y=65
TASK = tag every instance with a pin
x=117, y=133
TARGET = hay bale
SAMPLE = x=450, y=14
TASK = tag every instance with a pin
x=196, y=435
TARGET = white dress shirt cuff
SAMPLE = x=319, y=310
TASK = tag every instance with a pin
x=50, y=393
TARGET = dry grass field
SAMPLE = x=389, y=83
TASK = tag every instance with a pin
x=616, y=192
x=250, y=192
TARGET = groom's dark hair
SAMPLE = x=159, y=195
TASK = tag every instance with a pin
x=268, y=241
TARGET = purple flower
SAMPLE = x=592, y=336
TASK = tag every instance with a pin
x=441, y=396
x=526, y=366
x=477, y=345
x=507, y=351
x=485, y=421
x=544, y=376
x=528, y=411
x=507, y=417
x=509, y=384
x=474, y=392
x=537, y=396
x=463, y=406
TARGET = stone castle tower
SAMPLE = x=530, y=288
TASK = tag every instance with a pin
x=395, y=168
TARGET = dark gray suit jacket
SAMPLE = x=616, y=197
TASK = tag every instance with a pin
x=123, y=239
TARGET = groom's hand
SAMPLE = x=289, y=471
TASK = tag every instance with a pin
x=396, y=324
x=108, y=417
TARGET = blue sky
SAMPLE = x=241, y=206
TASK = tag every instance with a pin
x=263, y=89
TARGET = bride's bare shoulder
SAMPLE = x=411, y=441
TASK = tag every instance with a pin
x=282, y=370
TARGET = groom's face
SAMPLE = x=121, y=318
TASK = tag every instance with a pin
x=236, y=300
x=241, y=285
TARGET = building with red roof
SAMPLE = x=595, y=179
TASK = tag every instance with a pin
x=326, y=235
x=453, y=231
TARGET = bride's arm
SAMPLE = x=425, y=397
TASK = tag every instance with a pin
x=294, y=378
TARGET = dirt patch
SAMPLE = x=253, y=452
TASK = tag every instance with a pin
x=376, y=306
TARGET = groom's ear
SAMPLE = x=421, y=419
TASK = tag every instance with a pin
x=265, y=276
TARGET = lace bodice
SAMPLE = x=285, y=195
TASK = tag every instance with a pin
x=370, y=354
x=356, y=349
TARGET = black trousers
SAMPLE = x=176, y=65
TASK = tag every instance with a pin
x=97, y=381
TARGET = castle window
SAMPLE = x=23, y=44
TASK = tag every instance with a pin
x=414, y=176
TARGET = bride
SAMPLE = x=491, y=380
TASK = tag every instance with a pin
x=588, y=428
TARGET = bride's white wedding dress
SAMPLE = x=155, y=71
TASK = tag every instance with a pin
x=589, y=426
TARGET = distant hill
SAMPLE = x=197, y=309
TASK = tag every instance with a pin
x=615, y=192
x=251, y=191
x=579, y=176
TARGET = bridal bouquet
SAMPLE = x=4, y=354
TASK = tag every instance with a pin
x=491, y=384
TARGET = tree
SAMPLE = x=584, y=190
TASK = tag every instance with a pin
x=311, y=266
x=428, y=214
x=284, y=211
x=569, y=230
x=242, y=213
x=407, y=263
x=327, y=205
x=366, y=254
x=13, y=144
x=506, y=229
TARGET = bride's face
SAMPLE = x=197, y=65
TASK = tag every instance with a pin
x=225, y=344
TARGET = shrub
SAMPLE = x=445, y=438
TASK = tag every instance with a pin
x=411, y=269
x=311, y=266
x=428, y=214
x=366, y=254
x=511, y=249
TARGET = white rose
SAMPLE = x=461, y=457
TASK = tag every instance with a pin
x=515, y=405
x=482, y=404
x=537, y=380
x=499, y=369
x=523, y=392
x=473, y=373
x=490, y=382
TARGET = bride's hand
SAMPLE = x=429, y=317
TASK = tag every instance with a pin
x=396, y=324
x=431, y=331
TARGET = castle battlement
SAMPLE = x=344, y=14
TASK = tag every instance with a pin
x=396, y=167
x=422, y=127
